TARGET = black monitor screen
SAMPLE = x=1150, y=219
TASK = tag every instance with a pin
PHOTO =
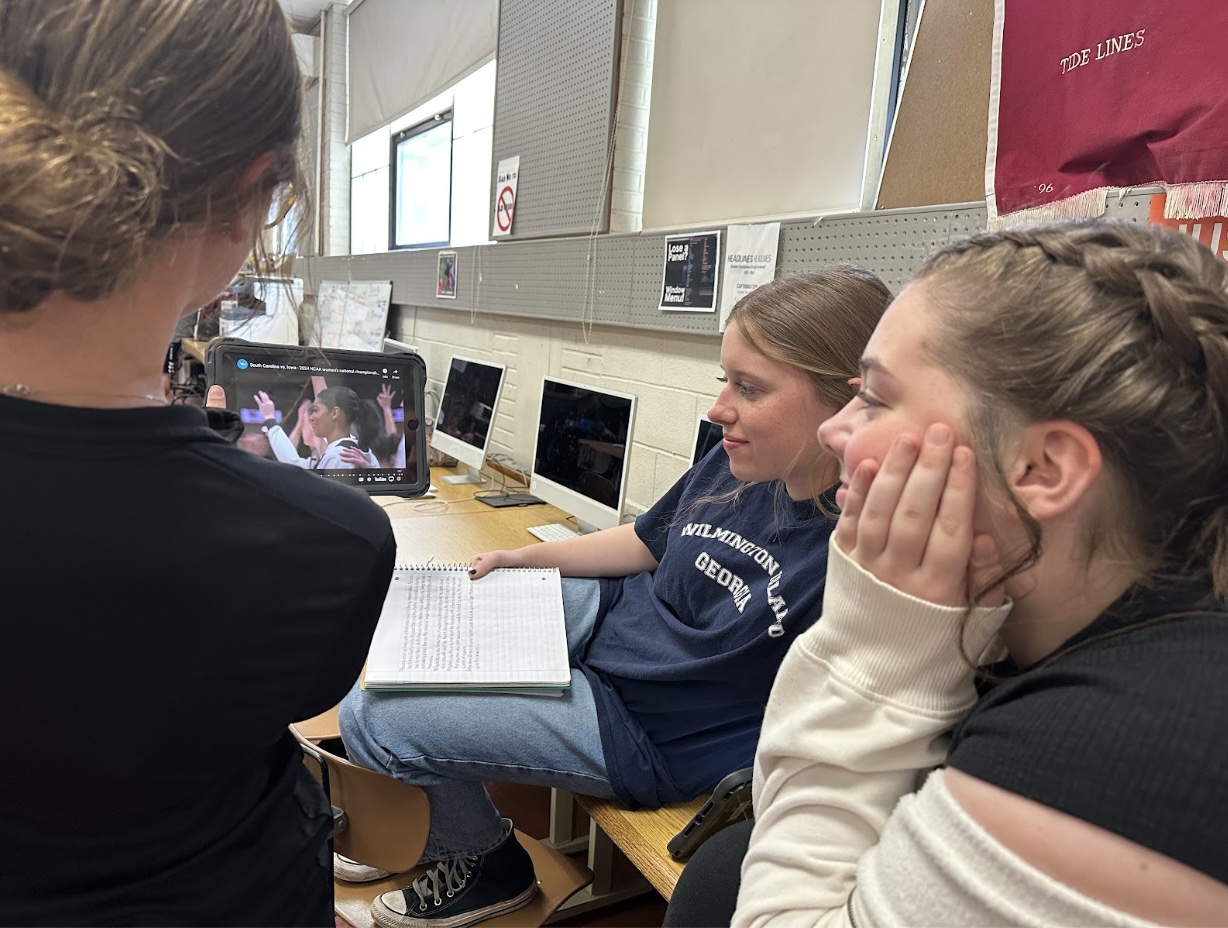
x=707, y=437
x=582, y=438
x=468, y=404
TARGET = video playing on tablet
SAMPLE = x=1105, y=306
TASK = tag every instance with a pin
x=351, y=416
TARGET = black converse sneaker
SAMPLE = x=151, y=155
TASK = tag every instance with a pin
x=351, y=871
x=460, y=892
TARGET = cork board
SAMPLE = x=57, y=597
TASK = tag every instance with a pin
x=937, y=146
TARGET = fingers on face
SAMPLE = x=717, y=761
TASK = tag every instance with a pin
x=875, y=522
x=854, y=502
x=915, y=517
x=916, y=508
x=950, y=541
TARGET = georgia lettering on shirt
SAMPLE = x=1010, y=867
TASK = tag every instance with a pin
x=738, y=588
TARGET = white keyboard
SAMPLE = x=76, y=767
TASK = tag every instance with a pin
x=555, y=531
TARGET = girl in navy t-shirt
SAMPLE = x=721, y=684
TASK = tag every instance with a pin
x=675, y=634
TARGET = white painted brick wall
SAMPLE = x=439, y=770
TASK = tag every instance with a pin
x=334, y=192
x=631, y=139
x=673, y=377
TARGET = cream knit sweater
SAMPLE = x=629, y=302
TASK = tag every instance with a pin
x=862, y=705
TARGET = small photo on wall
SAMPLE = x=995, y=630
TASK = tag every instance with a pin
x=445, y=285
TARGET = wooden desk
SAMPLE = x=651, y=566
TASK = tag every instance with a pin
x=453, y=538
x=194, y=348
x=642, y=836
x=459, y=497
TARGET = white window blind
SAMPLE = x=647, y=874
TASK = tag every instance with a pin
x=758, y=109
x=403, y=52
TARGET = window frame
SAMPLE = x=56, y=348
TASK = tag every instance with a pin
x=396, y=139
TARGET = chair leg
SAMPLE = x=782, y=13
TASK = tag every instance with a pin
x=563, y=837
x=600, y=860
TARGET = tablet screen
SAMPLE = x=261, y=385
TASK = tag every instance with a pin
x=346, y=415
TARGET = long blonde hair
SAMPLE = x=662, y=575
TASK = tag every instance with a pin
x=818, y=323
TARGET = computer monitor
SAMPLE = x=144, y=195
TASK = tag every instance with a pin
x=583, y=434
x=466, y=413
x=707, y=436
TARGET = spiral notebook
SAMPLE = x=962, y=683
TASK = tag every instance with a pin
x=439, y=630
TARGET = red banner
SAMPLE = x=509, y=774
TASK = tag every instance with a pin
x=1088, y=95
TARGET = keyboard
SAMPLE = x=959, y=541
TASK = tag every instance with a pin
x=555, y=531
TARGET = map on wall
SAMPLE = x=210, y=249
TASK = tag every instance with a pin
x=352, y=314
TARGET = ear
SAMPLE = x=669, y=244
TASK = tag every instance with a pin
x=251, y=175
x=1055, y=465
x=255, y=170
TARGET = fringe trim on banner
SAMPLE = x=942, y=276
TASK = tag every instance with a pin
x=1090, y=204
x=1195, y=201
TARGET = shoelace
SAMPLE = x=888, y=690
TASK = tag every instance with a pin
x=450, y=876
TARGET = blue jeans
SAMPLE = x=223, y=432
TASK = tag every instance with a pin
x=449, y=743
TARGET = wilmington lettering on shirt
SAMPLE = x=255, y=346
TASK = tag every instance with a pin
x=737, y=587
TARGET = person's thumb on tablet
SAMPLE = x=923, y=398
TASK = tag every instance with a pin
x=216, y=397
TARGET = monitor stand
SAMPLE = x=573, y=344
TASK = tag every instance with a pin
x=474, y=475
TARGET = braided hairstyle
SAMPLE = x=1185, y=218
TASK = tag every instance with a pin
x=1122, y=329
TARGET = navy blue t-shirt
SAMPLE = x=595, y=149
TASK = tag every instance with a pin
x=682, y=659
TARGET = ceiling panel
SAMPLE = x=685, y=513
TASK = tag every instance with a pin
x=304, y=13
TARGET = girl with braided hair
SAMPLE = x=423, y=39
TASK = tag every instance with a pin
x=1034, y=479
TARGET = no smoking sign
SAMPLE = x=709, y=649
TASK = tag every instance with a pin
x=505, y=200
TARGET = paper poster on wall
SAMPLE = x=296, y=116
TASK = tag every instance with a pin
x=505, y=195
x=692, y=270
x=1211, y=231
x=750, y=262
x=352, y=314
x=445, y=283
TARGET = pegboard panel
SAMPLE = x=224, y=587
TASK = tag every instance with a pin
x=554, y=106
x=892, y=244
x=1133, y=207
x=616, y=279
x=646, y=291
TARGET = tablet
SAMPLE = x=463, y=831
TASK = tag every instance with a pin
x=351, y=416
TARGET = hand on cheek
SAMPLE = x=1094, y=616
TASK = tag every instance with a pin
x=908, y=520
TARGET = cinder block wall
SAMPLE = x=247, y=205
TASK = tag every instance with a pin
x=674, y=377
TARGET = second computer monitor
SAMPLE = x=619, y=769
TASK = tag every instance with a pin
x=583, y=434
x=707, y=436
x=466, y=414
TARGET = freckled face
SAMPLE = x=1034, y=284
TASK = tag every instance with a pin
x=769, y=412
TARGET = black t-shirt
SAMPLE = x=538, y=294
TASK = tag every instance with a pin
x=1128, y=732
x=170, y=603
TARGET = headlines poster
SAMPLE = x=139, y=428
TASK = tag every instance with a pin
x=750, y=262
x=691, y=273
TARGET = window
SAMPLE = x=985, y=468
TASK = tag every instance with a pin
x=369, y=193
x=470, y=104
x=420, y=184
